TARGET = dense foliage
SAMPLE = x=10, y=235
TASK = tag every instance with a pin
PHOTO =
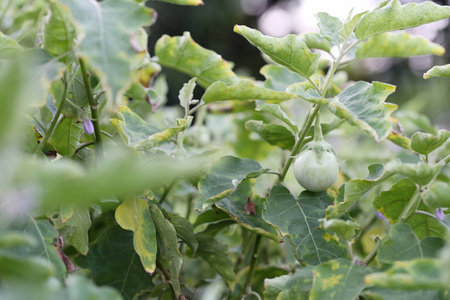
x=107, y=193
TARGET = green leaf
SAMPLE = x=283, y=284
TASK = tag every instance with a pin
x=437, y=195
x=113, y=261
x=411, y=275
x=278, y=78
x=349, y=26
x=397, y=44
x=66, y=136
x=350, y=192
x=133, y=214
x=425, y=143
x=395, y=16
x=187, y=93
x=168, y=254
x=276, y=135
x=184, y=2
x=163, y=136
x=297, y=286
x=399, y=139
x=105, y=29
x=303, y=91
x=345, y=229
x=46, y=236
x=403, y=245
x=79, y=288
x=376, y=293
x=215, y=253
x=330, y=27
x=132, y=128
x=183, y=54
x=275, y=110
x=8, y=46
x=224, y=177
x=315, y=41
x=362, y=105
x=391, y=204
x=75, y=228
x=210, y=216
x=299, y=221
x=234, y=205
x=338, y=279
x=242, y=90
x=420, y=172
x=184, y=230
x=438, y=71
x=289, y=51
x=59, y=33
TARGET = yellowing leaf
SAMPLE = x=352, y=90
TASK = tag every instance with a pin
x=438, y=71
x=133, y=214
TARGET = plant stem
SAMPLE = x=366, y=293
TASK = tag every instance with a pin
x=421, y=212
x=81, y=147
x=349, y=250
x=409, y=209
x=304, y=131
x=374, y=251
x=251, y=271
x=201, y=104
x=50, y=130
x=166, y=192
x=93, y=104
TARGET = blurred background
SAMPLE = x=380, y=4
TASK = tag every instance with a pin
x=211, y=25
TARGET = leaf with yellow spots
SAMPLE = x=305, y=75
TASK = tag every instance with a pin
x=338, y=279
x=133, y=214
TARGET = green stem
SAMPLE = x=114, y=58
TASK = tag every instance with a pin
x=349, y=250
x=166, y=192
x=94, y=109
x=251, y=271
x=318, y=136
x=81, y=147
x=410, y=208
x=421, y=212
x=374, y=251
x=50, y=130
x=296, y=149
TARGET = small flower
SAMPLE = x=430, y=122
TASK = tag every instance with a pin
x=380, y=216
x=439, y=213
x=88, y=126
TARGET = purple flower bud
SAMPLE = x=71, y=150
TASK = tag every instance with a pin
x=439, y=213
x=88, y=126
x=380, y=216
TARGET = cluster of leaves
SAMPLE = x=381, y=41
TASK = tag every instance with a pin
x=100, y=179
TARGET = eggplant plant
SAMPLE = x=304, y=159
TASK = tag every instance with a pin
x=107, y=192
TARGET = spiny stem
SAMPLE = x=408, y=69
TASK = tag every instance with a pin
x=50, y=130
x=251, y=271
x=93, y=104
x=374, y=251
x=296, y=149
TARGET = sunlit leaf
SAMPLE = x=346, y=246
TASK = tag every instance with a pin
x=132, y=128
x=411, y=275
x=346, y=32
x=420, y=172
x=395, y=16
x=59, y=33
x=306, y=93
x=315, y=41
x=168, y=254
x=183, y=54
x=397, y=44
x=330, y=27
x=275, y=110
x=391, y=204
x=362, y=105
x=104, y=29
x=355, y=188
x=242, y=90
x=338, y=279
x=404, y=245
x=224, y=177
x=274, y=134
x=345, y=229
x=289, y=51
x=399, y=139
x=384, y=293
x=8, y=46
x=234, y=205
x=113, y=261
x=215, y=253
x=437, y=195
x=279, y=78
x=425, y=143
x=286, y=287
x=438, y=71
x=133, y=214
x=298, y=220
